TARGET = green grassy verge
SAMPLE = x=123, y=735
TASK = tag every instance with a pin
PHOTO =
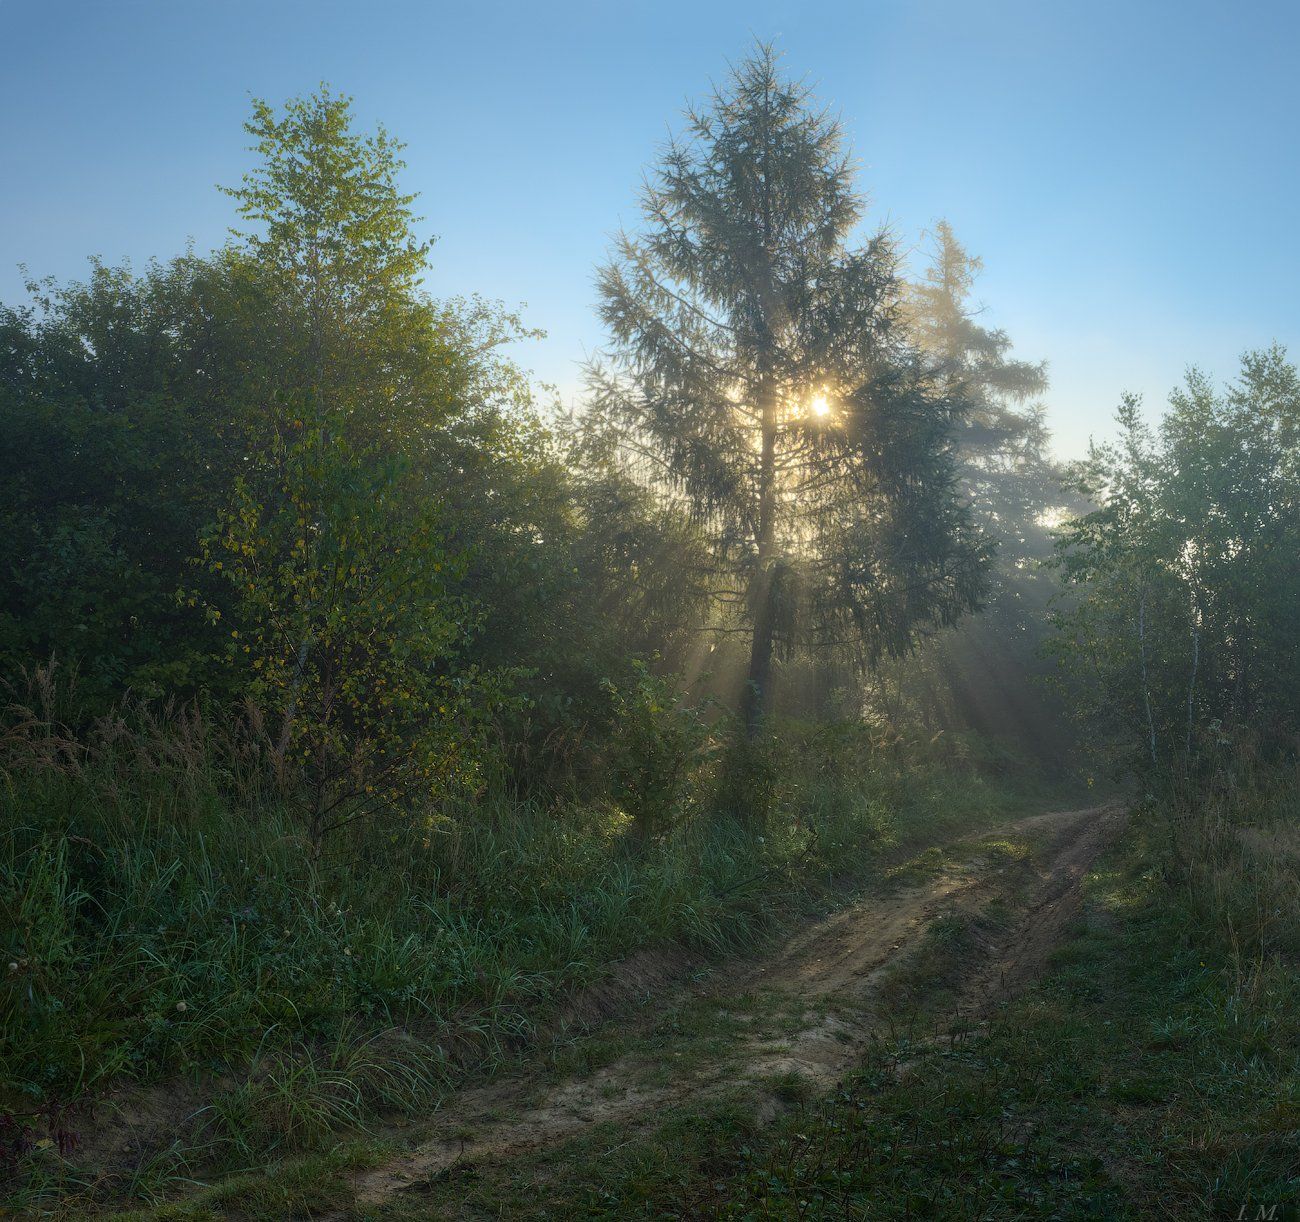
x=1153, y=1072
x=172, y=945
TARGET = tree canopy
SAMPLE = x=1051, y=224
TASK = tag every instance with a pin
x=762, y=376
x=1187, y=572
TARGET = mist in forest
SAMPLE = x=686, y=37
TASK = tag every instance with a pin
x=382, y=726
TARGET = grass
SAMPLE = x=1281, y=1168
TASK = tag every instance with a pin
x=1154, y=1072
x=172, y=945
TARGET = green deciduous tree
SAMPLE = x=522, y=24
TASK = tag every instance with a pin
x=346, y=618
x=761, y=376
x=339, y=540
x=1187, y=575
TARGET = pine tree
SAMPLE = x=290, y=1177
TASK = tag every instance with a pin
x=1001, y=442
x=761, y=375
x=982, y=675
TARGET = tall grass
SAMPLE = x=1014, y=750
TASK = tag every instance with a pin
x=1235, y=849
x=163, y=918
x=1154, y=1072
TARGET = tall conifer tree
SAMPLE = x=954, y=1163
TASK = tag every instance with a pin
x=761, y=374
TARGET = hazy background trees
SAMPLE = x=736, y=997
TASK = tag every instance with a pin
x=989, y=672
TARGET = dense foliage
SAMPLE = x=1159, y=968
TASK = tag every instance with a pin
x=1184, y=635
x=284, y=473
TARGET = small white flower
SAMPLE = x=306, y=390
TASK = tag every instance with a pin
x=13, y=967
x=347, y=950
x=181, y=1006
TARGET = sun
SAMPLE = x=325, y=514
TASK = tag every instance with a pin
x=820, y=406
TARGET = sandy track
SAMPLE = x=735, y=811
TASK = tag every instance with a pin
x=823, y=981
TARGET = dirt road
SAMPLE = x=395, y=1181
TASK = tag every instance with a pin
x=801, y=1016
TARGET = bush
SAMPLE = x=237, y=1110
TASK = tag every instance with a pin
x=658, y=743
x=163, y=915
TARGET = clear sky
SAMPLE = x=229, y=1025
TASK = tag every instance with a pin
x=1128, y=171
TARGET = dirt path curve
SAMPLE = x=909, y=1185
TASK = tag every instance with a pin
x=814, y=1016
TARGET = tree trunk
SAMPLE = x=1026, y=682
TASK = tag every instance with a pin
x=759, y=679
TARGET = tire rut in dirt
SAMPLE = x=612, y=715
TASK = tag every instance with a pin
x=833, y=970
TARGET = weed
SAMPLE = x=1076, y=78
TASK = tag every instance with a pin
x=168, y=925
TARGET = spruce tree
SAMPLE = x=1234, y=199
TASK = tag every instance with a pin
x=1001, y=442
x=761, y=374
x=982, y=675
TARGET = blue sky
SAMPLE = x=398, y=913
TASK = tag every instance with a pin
x=1128, y=171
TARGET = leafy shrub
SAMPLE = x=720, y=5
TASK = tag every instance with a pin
x=752, y=779
x=658, y=742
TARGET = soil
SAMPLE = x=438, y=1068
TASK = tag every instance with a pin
x=799, y=1019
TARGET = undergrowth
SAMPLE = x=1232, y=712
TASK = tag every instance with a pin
x=1154, y=1072
x=170, y=939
